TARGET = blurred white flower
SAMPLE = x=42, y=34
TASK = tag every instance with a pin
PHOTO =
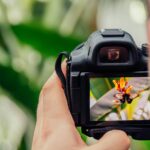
x=112, y=116
x=143, y=113
x=14, y=123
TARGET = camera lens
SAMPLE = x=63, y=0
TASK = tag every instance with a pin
x=114, y=54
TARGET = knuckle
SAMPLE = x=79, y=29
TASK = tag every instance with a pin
x=46, y=89
x=47, y=86
x=125, y=138
x=127, y=141
x=45, y=135
x=120, y=136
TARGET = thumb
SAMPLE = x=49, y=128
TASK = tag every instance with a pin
x=114, y=140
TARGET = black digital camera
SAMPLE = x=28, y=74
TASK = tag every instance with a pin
x=107, y=84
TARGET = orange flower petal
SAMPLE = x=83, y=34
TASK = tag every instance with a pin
x=128, y=90
x=116, y=84
x=122, y=83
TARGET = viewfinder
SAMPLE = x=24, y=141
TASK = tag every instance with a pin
x=113, y=54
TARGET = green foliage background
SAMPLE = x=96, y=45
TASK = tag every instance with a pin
x=32, y=33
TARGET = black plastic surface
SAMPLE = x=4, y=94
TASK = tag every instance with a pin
x=84, y=63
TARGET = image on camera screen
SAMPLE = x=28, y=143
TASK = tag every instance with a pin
x=119, y=98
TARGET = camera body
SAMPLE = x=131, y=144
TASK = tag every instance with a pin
x=107, y=53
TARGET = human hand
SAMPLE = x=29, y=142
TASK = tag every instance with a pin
x=55, y=129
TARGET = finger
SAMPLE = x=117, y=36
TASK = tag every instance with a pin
x=114, y=140
x=55, y=111
x=39, y=123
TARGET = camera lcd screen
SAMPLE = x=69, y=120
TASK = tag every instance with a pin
x=114, y=54
x=119, y=98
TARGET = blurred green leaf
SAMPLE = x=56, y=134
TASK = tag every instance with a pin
x=23, y=144
x=140, y=145
x=99, y=86
x=47, y=42
x=18, y=86
x=83, y=136
x=2, y=43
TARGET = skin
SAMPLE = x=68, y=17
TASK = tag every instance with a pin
x=55, y=129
